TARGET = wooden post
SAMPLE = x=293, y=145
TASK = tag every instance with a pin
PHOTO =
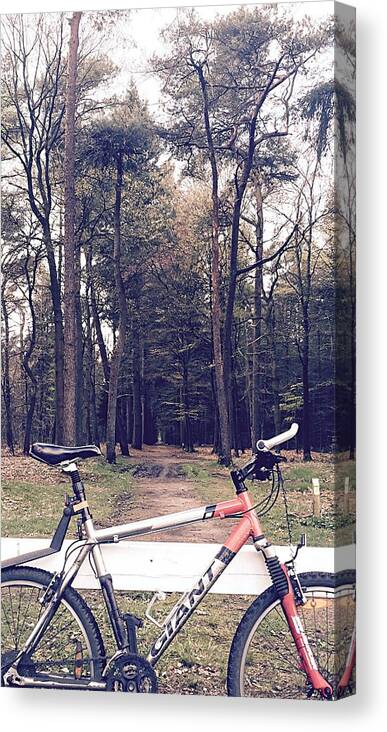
x=347, y=486
x=316, y=497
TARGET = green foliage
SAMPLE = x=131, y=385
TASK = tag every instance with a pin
x=166, y=226
x=324, y=103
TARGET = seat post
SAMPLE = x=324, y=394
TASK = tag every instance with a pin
x=77, y=484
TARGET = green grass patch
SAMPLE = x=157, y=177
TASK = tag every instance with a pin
x=197, y=659
x=343, y=469
x=198, y=471
x=332, y=528
x=30, y=509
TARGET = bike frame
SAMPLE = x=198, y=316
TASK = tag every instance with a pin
x=248, y=527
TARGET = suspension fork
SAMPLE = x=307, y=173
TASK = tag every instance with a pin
x=280, y=578
x=308, y=661
x=345, y=680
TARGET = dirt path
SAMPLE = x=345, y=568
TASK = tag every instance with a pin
x=161, y=488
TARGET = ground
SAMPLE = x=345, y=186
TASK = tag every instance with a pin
x=159, y=480
x=162, y=479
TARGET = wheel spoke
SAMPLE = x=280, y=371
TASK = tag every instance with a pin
x=21, y=610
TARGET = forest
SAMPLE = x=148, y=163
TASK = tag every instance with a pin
x=178, y=230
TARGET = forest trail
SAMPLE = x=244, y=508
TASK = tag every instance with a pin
x=162, y=479
x=162, y=487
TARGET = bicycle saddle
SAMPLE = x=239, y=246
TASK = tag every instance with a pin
x=55, y=454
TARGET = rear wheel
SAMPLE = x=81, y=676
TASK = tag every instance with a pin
x=72, y=644
x=263, y=659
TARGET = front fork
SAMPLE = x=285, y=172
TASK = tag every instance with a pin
x=283, y=582
x=308, y=661
x=345, y=681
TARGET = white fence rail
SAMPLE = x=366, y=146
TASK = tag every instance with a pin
x=175, y=566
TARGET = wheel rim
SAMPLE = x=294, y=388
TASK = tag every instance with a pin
x=65, y=645
x=270, y=664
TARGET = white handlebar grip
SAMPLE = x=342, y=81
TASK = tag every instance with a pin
x=278, y=439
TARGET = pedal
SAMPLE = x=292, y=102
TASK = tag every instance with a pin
x=78, y=662
x=159, y=595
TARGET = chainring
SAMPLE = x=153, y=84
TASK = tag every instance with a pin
x=131, y=673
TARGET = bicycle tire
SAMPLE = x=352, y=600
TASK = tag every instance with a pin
x=270, y=677
x=73, y=606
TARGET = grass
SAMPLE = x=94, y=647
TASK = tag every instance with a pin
x=32, y=509
x=196, y=661
x=200, y=471
x=332, y=528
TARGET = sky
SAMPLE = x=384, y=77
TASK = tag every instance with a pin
x=138, y=38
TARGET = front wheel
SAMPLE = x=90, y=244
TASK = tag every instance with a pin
x=263, y=660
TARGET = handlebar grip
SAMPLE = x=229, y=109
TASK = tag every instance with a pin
x=278, y=439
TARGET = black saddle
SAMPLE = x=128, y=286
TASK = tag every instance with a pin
x=55, y=454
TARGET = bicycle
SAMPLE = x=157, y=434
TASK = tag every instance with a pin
x=296, y=639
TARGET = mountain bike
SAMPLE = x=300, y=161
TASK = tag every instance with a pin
x=295, y=640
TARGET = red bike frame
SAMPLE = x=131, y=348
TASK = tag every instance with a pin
x=250, y=527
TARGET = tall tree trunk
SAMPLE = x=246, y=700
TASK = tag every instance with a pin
x=257, y=321
x=96, y=318
x=275, y=385
x=306, y=390
x=87, y=393
x=216, y=436
x=235, y=401
x=352, y=406
x=123, y=319
x=130, y=417
x=6, y=384
x=29, y=420
x=90, y=395
x=241, y=185
x=137, y=401
x=58, y=326
x=304, y=270
x=230, y=300
x=89, y=388
x=121, y=426
x=69, y=294
x=224, y=427
x=150, y=431
x=188, y=441
x=30, y=278
x=94, y=416
x=79, y=348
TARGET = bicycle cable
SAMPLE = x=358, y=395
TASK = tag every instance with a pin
x=266, y=504
x=287, y=514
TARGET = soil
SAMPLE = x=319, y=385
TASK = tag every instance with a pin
x=162, y=488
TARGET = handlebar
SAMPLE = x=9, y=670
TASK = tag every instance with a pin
x=266, y=445
x=261, y=464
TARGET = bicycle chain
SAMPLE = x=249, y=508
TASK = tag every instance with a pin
x=69, y=661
